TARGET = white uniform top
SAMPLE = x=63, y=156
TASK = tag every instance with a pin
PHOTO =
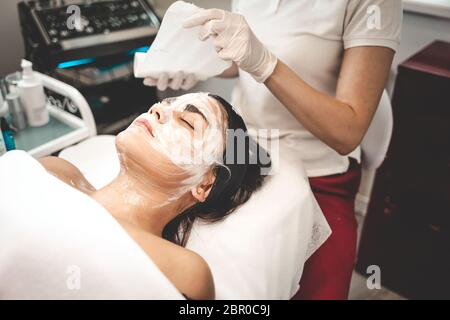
x=310, y=36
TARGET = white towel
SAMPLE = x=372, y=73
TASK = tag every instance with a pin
x=179, y=49
x=58, y=243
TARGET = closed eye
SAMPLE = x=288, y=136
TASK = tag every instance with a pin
x=186, y=122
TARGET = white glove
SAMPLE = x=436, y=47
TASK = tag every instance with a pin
x=180, y=80
x=235, y=41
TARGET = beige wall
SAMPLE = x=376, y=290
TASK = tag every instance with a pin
x=11, y=46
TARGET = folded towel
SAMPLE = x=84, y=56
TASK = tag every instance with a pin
x=178, y=49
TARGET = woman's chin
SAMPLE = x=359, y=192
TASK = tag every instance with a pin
x=138, y=154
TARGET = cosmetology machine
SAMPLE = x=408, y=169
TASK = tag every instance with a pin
x=90, y=44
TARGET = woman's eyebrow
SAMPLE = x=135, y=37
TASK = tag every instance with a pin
x=194, y=109
x=169, y=100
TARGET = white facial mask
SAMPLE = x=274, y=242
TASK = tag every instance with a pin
x=197, y=151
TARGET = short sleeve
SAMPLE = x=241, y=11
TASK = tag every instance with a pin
x=373, y=23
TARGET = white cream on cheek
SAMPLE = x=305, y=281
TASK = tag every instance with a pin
x=194, y=152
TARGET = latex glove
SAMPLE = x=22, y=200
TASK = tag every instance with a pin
x=235, y=41
x=179, y=81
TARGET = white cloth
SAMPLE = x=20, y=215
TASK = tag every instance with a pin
x=234, y=41
x=258, y=252
x=310, y=37
x=58, y=243
x=178, y=49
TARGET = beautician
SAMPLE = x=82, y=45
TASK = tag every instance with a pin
x=315, y=69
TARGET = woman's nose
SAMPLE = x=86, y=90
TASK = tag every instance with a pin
x=158, y=113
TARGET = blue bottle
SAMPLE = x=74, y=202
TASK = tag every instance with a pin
x=7, y=135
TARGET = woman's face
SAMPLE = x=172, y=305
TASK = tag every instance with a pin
x=177, y=142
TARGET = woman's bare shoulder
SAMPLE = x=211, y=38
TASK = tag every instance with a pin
x=193, y=275
x=67, y=172
x=199, y=279
x=187, y=270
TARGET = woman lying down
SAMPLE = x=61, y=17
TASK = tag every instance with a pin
x=175, y=167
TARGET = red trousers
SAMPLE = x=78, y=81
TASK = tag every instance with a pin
x=327, y=273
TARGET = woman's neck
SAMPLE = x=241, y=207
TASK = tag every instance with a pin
x=141, y=203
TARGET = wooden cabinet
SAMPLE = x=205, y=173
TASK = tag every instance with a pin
x=407, y=229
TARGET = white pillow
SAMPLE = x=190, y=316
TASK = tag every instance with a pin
x=96, y=158
x=258, y=252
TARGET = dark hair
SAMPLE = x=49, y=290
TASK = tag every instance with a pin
x=235, y=181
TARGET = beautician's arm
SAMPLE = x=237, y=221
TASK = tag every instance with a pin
x=341, y=121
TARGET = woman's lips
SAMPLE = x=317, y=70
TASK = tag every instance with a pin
x=146, y=125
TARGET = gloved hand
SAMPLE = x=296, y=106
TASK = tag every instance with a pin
x=235, y=41
x=179, y=81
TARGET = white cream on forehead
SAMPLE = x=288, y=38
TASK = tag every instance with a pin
x=195, y=153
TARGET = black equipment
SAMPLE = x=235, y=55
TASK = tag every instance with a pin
x=90, y=44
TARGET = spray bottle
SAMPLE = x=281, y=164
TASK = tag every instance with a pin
x=32, y=96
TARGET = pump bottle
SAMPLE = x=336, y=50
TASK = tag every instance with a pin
x=32, y=96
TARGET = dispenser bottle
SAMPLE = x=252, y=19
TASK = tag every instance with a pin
x=32, y=96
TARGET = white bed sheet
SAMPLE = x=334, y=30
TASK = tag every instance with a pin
x=58, y=243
